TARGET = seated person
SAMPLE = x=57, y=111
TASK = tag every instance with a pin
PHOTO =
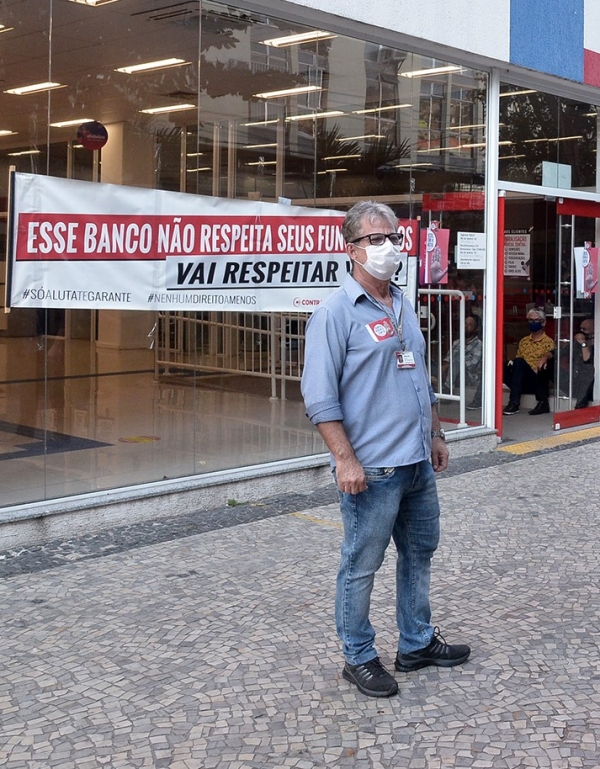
x=473, y=356
x=583, y=364
x=529, y=372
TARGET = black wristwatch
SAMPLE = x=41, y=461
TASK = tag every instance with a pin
x=438, y=434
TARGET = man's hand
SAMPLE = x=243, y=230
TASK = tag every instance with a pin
x=348, y=470
x=439, y=454
x=350, y=476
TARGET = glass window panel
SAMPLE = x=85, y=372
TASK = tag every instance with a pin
x=537, y=128
x=398, y=126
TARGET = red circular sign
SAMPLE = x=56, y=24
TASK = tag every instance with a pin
x=93, y=135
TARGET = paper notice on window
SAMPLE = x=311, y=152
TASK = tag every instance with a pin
x=517, y=253
x=470, y=251
x=586, y=269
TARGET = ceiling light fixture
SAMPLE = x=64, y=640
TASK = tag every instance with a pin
x=24, y=90
x=195, y=170
x=6, y=132
x=24, y=152
x=510, y=157
x=362, y=136
x=171, y=108
x=262, y=122
x=263, y=163
x=380, y=109
x=517, y=93
x=315, y=115
x=439, y=149
x=194, y=154
x=432, y=71
x=288, y=92
x=152, y=66
x=340, y=157
x=259, y=146
x=66, y=123
x=93, y=3
x=301, y=37
x=412, y=165
x=465, y=127
x=332, y=171
x=3, y=28
x=449, y=148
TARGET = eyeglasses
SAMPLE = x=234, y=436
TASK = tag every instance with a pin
x=378, y=238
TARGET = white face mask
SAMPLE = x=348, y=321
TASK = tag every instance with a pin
x=382, y=261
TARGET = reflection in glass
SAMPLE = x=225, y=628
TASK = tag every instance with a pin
x=274, y=109
x=546, y=139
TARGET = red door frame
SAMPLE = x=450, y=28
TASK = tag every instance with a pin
x=566, y=207
x=588, y=209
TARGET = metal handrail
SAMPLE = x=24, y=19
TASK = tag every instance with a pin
x=452, y=294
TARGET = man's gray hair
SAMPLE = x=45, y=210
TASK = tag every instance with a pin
x=366, y=209
x=539, y=312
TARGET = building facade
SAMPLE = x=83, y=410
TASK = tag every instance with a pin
x=475, y=121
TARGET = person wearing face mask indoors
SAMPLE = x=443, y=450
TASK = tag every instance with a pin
x=530, y=370
x=366, y=388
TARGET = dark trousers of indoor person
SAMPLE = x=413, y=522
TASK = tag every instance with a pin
x=521, y=378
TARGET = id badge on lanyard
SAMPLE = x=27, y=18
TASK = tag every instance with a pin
x=405, y=359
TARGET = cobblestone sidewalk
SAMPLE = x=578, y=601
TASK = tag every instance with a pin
x=216, y=649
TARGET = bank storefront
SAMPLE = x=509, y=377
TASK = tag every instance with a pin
x=235, y=106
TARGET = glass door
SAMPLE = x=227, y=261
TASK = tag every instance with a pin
x=574, y=313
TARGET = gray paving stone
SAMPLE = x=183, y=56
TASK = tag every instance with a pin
x=214, y=645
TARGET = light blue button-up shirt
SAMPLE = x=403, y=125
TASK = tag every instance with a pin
x=351, y=375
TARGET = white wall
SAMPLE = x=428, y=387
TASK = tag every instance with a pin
x=477, y=26
x=591, y=30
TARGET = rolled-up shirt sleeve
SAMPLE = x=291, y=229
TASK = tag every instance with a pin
x=325, y=353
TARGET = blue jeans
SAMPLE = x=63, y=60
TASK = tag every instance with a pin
x=399, y=503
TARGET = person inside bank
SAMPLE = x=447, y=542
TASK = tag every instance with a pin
x=473, y=357
x=583, y=364
x=530, y=371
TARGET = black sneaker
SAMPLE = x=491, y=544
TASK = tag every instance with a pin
x=511, y=408
x=371, y=678
x=438, y=653
x=542, y=407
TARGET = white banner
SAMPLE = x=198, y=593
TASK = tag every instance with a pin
x=100, y=246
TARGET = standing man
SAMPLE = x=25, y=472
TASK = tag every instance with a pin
x=366, y=389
